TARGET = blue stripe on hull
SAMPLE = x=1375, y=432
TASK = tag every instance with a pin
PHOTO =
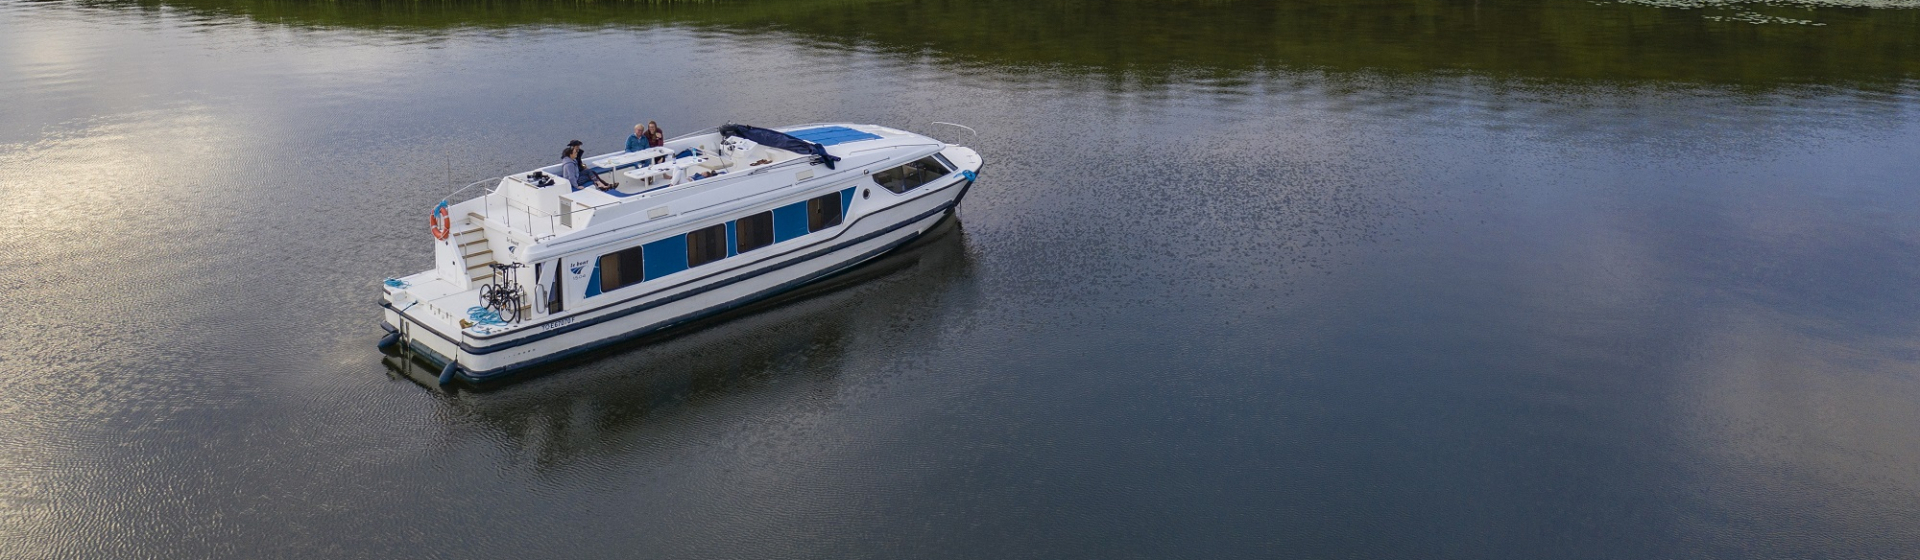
x=663, y=257
x=790, y=221
x=502, y=373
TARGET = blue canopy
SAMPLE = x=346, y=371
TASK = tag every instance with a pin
x=779, y=140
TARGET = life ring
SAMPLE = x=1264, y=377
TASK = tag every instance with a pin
x=442, y=223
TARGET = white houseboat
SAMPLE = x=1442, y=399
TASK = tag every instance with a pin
x=533, y=268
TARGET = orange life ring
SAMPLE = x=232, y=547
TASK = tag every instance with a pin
x=442, y=223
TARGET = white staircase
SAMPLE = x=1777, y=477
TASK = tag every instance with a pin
x=472, y=244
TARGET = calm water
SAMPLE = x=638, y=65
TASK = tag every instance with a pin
x=1306, y=278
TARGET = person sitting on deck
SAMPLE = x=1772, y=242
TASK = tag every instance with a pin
x=655, y=138
x=574, y=172
x=639, y=140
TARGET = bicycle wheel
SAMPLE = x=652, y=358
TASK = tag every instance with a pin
x=510, y=307
x=486, y=296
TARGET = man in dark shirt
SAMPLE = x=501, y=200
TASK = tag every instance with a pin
x=577, y=173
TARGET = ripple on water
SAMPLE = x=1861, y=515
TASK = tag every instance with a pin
x=1222, y=290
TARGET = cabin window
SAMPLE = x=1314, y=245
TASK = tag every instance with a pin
x=620, y=269
x=753, y=232
x=944, y=161
x=912, y=175
x=706, y=245
x=823, y=212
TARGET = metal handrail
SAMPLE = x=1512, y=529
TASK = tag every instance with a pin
x=693, y=134
x=529, y=213
x=976, y=133
x=449, y=198
x=807, y=159
x=935, y=143
x=969, y=128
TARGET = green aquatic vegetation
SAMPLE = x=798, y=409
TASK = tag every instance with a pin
x=1746, y=11
x=1151, y=43
x=1756, y=17
x=1875, y=4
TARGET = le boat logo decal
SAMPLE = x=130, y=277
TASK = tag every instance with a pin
x=578, y=268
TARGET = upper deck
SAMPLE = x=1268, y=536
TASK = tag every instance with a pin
x=528, y=227
x=691, y=174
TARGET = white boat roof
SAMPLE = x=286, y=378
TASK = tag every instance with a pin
x=556, y=219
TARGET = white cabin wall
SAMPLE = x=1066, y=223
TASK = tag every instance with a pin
x=448, y=264
x=540, y=199
x=864, y=204
x=710, y=140
x=578, y=270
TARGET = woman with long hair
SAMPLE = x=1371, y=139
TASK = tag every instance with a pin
x=655, y=138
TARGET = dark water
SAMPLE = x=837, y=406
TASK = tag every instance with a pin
x=1308, y=278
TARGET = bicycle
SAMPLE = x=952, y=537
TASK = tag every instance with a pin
x=502, y=294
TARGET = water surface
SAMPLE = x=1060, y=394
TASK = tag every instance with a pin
x=1385, y=279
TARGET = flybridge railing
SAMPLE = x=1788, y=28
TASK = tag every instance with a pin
x=693, y=134
x=456, y=197
x=513, y=214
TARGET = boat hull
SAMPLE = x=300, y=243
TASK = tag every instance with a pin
x=488, y=359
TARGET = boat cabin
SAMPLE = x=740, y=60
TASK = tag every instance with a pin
x=702, y=198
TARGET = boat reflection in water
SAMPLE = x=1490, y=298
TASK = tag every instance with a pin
x=754, y=353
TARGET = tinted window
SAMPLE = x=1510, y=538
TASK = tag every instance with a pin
x=823, y=212
x=753, y=232
x=555, y=295
x=912, y=175
x=706, y=245
x=620, y=269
